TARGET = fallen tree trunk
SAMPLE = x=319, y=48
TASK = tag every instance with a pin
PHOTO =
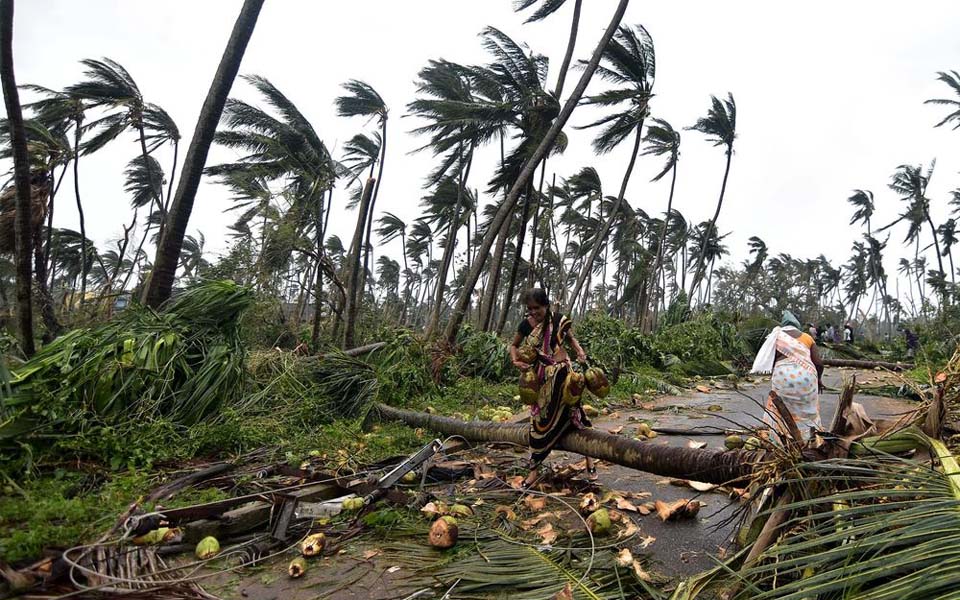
x=708, y=466
x=866, y=364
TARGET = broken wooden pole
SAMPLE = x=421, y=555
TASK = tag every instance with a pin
x=867, y=364
x=709, y=466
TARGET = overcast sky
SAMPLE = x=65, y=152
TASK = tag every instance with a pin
x=829, y=96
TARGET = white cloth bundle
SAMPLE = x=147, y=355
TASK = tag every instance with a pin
x=763, y=363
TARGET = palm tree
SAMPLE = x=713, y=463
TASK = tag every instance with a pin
x=948, y=237
x=164, y=269
x=21, y=165
x=662, y=140
x=629, y=61
x=362, y=100
x=862, y=200
x=542, y=149
x=910, y=182
x=952, y=79
x=720, y=127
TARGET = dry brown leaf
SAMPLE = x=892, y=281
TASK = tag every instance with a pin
x=433, y=509
x=506, y=511
x=614, y=415
x=624, y=504
x=565, y=594
x=547, y=533
x=664, y=481
x=625, y=558
x=648, y=406
x=589, y=503
x=645, y=542
x=628, y=531
x=371, y=553
x=679, y=482
x=516, y=482
x=616, y=430
x=638, y=495
x=643, y=509
x=703, y=389
x=696, y=445
x=616, y=516
x=678, y=509
x=641, y=574
x=702, y=487
x=535, y=503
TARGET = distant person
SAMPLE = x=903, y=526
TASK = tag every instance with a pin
x=848, y=334
x=812, y=330
x=793, y=359
x=913, y=342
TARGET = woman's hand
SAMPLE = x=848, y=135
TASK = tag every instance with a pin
x=582, y=356
x=521, y=365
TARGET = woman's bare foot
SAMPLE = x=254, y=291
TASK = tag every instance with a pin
x=531, y=478
x=591, y=470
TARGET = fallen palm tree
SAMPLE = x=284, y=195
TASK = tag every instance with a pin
x=708, y=466
x=867, y=364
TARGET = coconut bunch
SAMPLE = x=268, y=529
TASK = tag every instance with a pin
x=181, y=364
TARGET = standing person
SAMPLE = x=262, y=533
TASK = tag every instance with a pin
x=546, y=332
x=913, y=342
x=812, y=330
x=848, y=334
x=797, y=372
x=831, y=333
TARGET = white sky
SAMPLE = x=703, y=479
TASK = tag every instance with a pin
x=829, y=97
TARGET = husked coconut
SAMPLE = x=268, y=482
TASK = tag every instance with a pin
x=444, y=532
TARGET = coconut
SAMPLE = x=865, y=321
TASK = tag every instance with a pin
x=297, y=567
x=651, y=434
x=573, y=388
x=529, y=387
x=207, y=548
x=444, y=532
x=313, y=545
x=409, y=477
x=351, y=504
x=590, y=411
x=752, y=443
x=461, y=510
x=643, y=429
x=597, y=382
x=732, y=442
x=161, y=535
x=599, y=522
x=527, y=354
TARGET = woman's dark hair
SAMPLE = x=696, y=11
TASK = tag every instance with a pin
x=538, y=295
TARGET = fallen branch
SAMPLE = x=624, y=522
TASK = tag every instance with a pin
x=867, y=364
x=708, y=466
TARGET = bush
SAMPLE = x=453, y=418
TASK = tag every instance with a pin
x=612, y=345
x=483, y=355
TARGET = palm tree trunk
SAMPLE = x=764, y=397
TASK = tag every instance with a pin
x=367, y=247
x=936, y=245
x=493, y=279
x=534, y=228
x=658, y=261
x=21, y=167
x=53, y=193
x=587, y=267
x=460, y=309
x=709, y=466
x=83, y=228
x=160, y=285
x=698, y=273
x=354, y=264
x=517, y=257
x=571, y=43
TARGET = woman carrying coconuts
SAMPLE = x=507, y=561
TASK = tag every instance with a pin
x=548, y=382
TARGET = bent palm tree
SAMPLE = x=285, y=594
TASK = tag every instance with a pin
x=910, y=182
x=547, y=8
x=720, y=127
x=164, y=269
x=862, y=200
x=952, y=79
x=629, y=61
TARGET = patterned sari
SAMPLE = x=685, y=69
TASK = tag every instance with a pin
x=794, y=379
x=550, y=417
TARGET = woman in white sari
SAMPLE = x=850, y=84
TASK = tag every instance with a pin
x=793, y=360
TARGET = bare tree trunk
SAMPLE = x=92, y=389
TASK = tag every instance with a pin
x=517, y=257
x=160, y=285
x=21, y=168
x=708, y=466
x=565, y=66
x=354, y=264
x=698, y=273
x=658, y=263
x=493, y=280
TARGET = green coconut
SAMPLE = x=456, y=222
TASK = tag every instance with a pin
x=752, y=443
x=573, y=388
x=297, y=567
x=461, y=510
x=352, y=504
x=732, y=442
x=207, y=548
x=597, y=382
x=599, y=522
